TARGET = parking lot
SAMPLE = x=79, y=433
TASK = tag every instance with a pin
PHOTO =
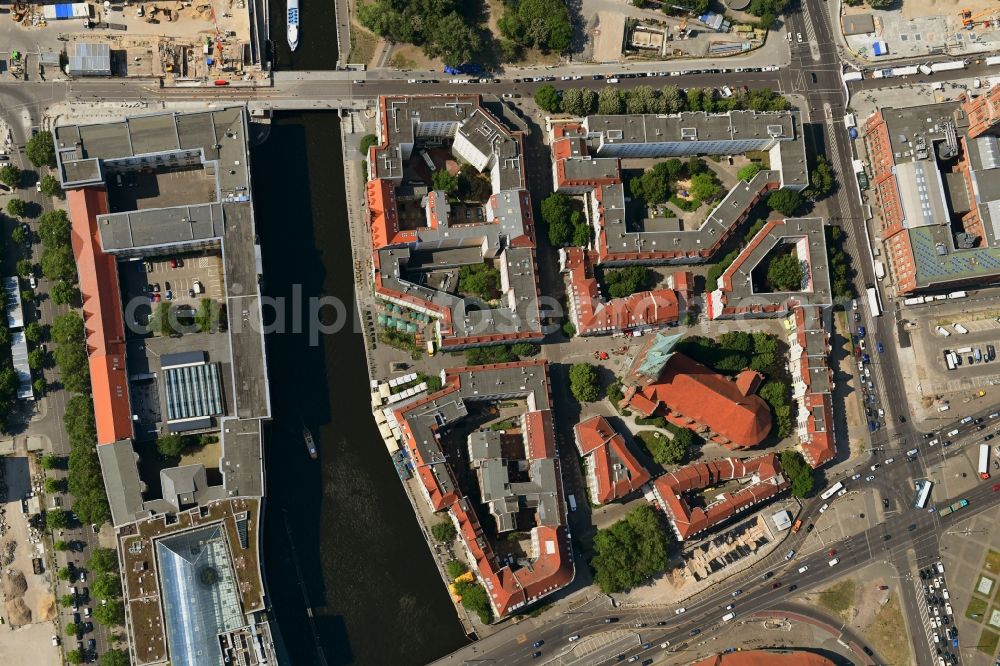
x=170, y=279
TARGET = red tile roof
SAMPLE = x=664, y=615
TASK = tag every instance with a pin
x=593, y=315
x=686, y=521
x=102, y=314
x=606, y=448
x=693, y=396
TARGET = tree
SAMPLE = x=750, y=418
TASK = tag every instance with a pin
x=673, y=99
x=64, y=573
x=40, y=386
x=798, y=471
x=452, y=40
x=583, y=382
x=472, y=185
x=50, y=186
x=556, y=212
x=56, y=519
x=455, y=568
x=748, y=172
x=49, y=461
x=541, y=24
x=53, y=486
x=162, y=320
x=115, y=657
x=480, y=280
x=64, y=293
x=630, y=550
x=19, y=235
x=25, y=268
x=488, y=355
x=705, y=186
x=524, y=349
x=54, y=228
x=626, y=281
x=581, y=235
x=821, y=179
x=785, y=273
x=171, y=445
x=17, y=208
x=37, y=359
x=880, y=4
x=72, y=629
x=58, y=263
x=654, y=185
x=106, y=586
x=61, y=546
x=435, y=25
x=785, y=202
x=367, y=141
x=444, y=531
x=103, y=560
x=10, y=175
x=207, y=317
x=110, y=614
x=66, y=600
x=443, y=181
x=68, y=329
x=609, y=101
x=572, y=102
x=75, y=656
x=547, y=99
x=475, y=599
x=40, y=149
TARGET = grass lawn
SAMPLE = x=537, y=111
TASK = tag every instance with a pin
x=885, y=632
x=839, y=598
x=992, y=563
x=976, y=607
x=362, y=45
x=988, y=642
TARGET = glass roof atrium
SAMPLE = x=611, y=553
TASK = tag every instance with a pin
x=200, y=598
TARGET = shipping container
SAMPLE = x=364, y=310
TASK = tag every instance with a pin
x=853, y=76
x=949, y=66
x=66, y=10
x=993, y=60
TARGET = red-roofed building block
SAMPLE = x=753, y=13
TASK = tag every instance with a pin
x=611, y=469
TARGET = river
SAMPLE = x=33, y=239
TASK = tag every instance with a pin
x=361, y=558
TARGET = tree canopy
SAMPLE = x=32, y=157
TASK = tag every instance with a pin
x=798, y=471
x=54, y=228
x=17, y=208
x=50, y=186
x=475, y=599
x=583, y=382
x=110, y=614
x=103, y=560
x=786, y=202
x=784, y=273
x=367, y=141
x=10, y=175
x=541, y=24
x=622, y=282
x=748, y=172
x=547, y=99
x=443, y=181
x=40, y=149
x=481, y=280
x=435, y=25
x=631, y=550
x=564, y=224
x=444, y=531
x=115, y=657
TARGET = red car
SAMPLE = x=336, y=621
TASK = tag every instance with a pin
x=996, y=487
x=173, y=263
x=832, y=552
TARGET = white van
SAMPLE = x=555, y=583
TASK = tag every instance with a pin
x=961, y=329
x=804, y=569
x=952, y=433
x=944, y=408
x=942, y=331
x=728, y=616
x=834, y=561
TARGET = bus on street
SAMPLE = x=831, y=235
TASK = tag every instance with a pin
x=923, y=492
x=874, y=306
x=832, y=490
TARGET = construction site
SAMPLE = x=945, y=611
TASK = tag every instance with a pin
x=923, y=28
x=175, y=41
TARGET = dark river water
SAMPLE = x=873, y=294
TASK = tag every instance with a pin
x=340, y=535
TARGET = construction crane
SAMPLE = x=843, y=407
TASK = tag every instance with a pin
x=969, y=19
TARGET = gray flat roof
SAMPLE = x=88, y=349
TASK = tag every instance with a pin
x=158, y=227
x=119, y=464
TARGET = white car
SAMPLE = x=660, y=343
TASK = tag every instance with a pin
x=868, y=372
x=842, y=492
x=881, y=412
x=55, y=640
x=789, y=555
x=855, y=477
x=804, y=569
x=574, y=637
x=789, y=37
x=874, y=467
x=889, y=461
x=798, y=37
x=680, y=610
x=834, y=561
x=823, y=508
x=870, y=477
x=567, y=78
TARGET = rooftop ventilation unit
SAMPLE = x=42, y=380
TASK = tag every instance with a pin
x=689, y=133
x=774, y=131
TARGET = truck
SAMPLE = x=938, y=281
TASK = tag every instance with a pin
x=952, y=508
x=913, y=300
x=961, y=329
x=905, y=71
x=853, y=76
x=958, y=294
x=948, y=66
x=993, y=60
x=984, y=461
x=797, y=526
x=925, y=69
x=879, y=269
